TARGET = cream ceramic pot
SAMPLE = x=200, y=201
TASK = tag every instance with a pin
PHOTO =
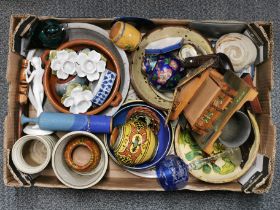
x=31, y=154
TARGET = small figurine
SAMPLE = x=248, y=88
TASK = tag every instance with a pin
x=35, y=93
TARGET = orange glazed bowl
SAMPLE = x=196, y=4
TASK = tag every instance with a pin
x=50, y=80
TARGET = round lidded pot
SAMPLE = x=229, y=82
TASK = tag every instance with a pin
x=163, y=72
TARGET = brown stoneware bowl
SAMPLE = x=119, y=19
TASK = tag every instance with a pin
x=51, y=80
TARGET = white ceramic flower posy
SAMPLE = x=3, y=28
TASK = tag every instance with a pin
x=87, y=63
x=64, y=63
x=90, y=64
x=79, y=100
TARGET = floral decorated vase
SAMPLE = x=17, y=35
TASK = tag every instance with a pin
x=136, y=141
x=133, y=143
x=163, y=71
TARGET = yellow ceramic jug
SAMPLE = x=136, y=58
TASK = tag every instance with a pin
x=133, y=143
x=125, y=36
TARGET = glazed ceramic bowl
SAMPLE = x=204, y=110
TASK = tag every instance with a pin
x=224, y=169
x=133, y=143
x=51, y=80
x=140, y=82
x=31, y=154
x=70, y=177
x=164, y=136
x=92, y=32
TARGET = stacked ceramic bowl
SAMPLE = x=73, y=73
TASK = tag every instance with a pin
x=138, y=152
x=31, y=154
x=79, y=160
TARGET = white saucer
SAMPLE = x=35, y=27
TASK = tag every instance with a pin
x=35, y=130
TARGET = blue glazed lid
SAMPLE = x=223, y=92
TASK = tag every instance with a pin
x=172, y=173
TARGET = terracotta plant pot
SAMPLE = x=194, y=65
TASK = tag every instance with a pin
x=50, y=80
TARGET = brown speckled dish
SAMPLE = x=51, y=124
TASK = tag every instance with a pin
x=139, y=80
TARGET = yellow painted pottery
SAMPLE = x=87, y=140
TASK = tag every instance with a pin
x=133, y=143
x=125, y=36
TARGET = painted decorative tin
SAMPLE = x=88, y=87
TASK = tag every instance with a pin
x=172, y=173
x=82, y=154
x=125, y=36
x=104, y=87
x=135, y=143
x=163, y=72
x=71, y=122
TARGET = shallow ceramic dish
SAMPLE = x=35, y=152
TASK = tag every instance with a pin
x=223, y=170
x=164, y=135
x=71, y=178
x=139, y=80
x=50, y=80
x=101, y=36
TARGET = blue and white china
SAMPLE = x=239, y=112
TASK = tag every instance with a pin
x=103, y=88
x=164, y=135
x=165, y=45
x=172, y=173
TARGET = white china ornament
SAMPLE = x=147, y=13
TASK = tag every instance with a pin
x=64, y=63
x=79, y=100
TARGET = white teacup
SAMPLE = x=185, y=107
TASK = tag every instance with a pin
x=31, y=154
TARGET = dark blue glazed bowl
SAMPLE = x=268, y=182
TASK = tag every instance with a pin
x=164, y=136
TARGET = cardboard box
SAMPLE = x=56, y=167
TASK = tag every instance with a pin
x=116, y=178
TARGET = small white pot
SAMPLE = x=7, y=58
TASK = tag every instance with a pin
x=31, y=154
x=70, y=177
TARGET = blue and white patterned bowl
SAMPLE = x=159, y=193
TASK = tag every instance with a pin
x=104, y=87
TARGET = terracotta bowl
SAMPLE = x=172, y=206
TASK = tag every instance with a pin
x=51, y=80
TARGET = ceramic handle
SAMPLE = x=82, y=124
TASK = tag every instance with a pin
x=194, y=62
x=44, y=56
x=117, y=99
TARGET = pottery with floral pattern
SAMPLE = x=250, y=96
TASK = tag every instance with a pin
x=163, y=72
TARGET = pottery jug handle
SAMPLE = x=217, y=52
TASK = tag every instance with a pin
x=117, y=99
x=44, y=56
